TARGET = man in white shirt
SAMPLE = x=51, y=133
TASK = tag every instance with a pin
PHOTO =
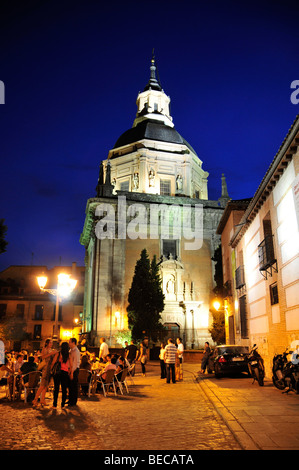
x=180, y=356
x=104, y=350
x=75, y=354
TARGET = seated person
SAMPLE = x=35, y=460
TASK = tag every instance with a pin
x=95, y=362
x=116, y=356
x=121, y=366
x=27, y=367
x=19, y=362
x=17, y=370
x=85, y=364
x=109, y=365
x=5, y=372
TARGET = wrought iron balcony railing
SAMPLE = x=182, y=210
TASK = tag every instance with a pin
x=267, y=260
x=240, y=277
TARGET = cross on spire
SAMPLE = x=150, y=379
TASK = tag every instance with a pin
x=153, y=83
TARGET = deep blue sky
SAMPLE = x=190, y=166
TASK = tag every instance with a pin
x=72, y=71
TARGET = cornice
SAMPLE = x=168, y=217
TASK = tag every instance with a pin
x=277, y=167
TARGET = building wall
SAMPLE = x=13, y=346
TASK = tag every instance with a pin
x=272, y=326
x=25, y=291
x=187, y=279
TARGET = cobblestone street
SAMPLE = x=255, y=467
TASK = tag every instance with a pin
x=154, y=416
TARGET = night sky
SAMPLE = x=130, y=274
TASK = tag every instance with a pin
x=72, y=71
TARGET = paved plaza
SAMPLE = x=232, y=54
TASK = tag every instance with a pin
x=199, y=413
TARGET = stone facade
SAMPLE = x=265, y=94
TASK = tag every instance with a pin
x=151, y=169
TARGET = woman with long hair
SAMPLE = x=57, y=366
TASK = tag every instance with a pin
x=46, y=356
x=63, y=373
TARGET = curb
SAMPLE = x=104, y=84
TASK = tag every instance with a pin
x=241, y=436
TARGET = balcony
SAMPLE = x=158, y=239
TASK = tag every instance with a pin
x=240, y=277
x=267, y=260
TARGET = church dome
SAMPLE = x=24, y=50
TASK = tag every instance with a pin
x=151, y=130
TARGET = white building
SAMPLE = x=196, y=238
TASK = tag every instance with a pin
x=260, y=250
x=151, y=165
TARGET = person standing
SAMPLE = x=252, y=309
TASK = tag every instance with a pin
x=205, y=357
x=180, y=358
x=104, y=350
x=143, y=357
x=75, y=358
x=132, y=354
x=162, y=361
x=47, y=356
x=125, y=351
x=170, y=358
x=65, y=374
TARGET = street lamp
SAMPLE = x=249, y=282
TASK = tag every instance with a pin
x=65, y=286
x=216, y=305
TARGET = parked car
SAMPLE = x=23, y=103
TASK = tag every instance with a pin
x=229, y=359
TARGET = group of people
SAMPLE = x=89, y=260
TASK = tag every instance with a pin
x=16, y=368
x=68, y=360
x=133, y=355
x=171, y=360
x=64, y=365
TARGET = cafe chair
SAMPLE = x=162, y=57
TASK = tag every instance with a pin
x=122, y=383
x=131, y=373
x=108, y=382
x=84, y=380
x=32, y=384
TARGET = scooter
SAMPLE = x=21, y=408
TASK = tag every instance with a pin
x=278, y=365
x=285, y=372
x=256, y=366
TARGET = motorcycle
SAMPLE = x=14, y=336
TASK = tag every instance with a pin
x=285, y=372
x=256, y=365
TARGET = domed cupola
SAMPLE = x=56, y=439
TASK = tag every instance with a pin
x=153, y=103
x=152, y=157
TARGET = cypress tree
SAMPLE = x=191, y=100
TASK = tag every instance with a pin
x=146, y=299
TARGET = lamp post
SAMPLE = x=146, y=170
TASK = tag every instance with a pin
x=65, y=286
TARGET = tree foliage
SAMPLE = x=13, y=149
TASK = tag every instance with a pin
x=217, y=330
x=146, y=298
x=13, y=328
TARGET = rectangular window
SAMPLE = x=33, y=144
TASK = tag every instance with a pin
x=169, y=247
x=3, y=308
x=39, y=312
x=20, y=310
x=274, y=294
x=37, y=332
x=165, y=187
x=240, y=277
x=125, y=185
x=266, y=248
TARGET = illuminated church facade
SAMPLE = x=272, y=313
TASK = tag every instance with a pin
x=152, y=193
